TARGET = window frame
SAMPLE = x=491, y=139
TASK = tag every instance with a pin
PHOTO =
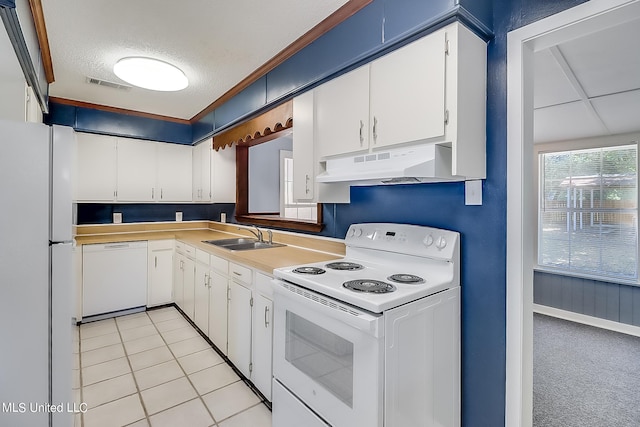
x=577, y=145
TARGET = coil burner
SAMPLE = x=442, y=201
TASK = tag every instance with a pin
x=309, y=270
x=406, y=279
x=345, y=266
x=370, y=286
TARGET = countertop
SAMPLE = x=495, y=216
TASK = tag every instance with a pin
x=300, y=249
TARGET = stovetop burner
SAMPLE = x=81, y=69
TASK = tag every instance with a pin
x=309, y=270
x=406, y=278
x=343, y=265
x=371, y=286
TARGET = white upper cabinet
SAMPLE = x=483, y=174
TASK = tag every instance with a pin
x=223, y=175
x=110, y=169
x=304, y=164
x=407, y=89
x=174, y=173
x=136, y=170
x=432, y=90
x=202, y=172
x=96, y=171
x=342, y=114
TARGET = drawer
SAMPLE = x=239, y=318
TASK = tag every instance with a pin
x=240, y=273
x=182, y=247
x=202, y=257
x=220, y=265
x=263, y=284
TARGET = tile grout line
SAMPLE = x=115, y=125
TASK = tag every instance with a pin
x=215, y=423
x=135, y=381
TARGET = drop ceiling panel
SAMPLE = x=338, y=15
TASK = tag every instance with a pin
x=620, y=112
x=607, y=61
x=564, y=122
x=551, y=86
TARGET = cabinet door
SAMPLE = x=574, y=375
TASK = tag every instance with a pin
x=304, y=173
x=201, y=295
x=197, y=173
x=95, y=168
x=262, y=344
x=223, y=175
x=408, y=93
x=218, y=294
x=342, y=114
x=174, y=173
x=239, y=337
x=189, y=287
x=136, y=170
x=205, y=171
x=160, y=265
x=178, y=280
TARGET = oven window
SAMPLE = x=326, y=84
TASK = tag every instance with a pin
x=322, y=355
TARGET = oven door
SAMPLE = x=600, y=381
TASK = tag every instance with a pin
x=329, y=355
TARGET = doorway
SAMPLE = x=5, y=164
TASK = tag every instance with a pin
x=523, y=43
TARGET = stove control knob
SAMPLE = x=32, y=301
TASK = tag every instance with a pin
x=352, y=231
x=357, y=232
x=428, y=241
x=441, y=243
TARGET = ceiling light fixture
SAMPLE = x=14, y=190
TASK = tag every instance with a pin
x=150, y=74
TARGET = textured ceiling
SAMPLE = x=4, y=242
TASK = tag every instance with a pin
x=217, y=43
x=589, y=86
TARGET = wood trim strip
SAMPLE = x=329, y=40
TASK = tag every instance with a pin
x=275, y=120
x=340, y=15
x=280, y=223
x=109, y=109
x=43, y=39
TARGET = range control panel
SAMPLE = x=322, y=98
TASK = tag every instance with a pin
x=404, y=238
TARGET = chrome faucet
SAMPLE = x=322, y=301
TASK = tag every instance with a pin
x=270, y=237
x=256, y=233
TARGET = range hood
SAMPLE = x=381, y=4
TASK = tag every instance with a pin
x=422, y=163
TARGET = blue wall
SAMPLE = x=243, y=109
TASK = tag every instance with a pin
x=483, y=228
x=104, y=122
x=102, y=213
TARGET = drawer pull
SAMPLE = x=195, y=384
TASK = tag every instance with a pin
x=266, y=317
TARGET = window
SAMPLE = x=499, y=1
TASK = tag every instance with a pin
x=588, y=219
x=289, y=208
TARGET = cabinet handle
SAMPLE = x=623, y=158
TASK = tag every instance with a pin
x=209, y=282
x=375, y=130
x=156, y=261
x=228, y=294
x=237, y=274
x=153, y=193
x=161, y=193
x=205, y=280
x=266, y=317
x=307, y=184
x=361, y=136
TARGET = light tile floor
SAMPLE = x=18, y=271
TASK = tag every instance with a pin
x=154, y=369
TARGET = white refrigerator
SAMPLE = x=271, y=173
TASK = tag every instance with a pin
x=36, y=289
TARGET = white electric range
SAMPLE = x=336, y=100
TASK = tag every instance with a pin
x=372, y=339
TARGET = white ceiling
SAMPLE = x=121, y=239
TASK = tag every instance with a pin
x=217, y=43
x=589, y=86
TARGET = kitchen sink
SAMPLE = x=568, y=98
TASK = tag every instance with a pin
x=242, y=244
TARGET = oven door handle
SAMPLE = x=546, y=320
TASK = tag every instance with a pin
x=358, y=319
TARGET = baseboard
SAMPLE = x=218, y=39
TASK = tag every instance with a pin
x=587, y=320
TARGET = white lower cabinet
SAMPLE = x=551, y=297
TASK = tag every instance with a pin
x=184, y=277
x=239, y=327
x=261, y=352
x=201, y=292
x=160, y=272
x=231, y=304
x=218, y=302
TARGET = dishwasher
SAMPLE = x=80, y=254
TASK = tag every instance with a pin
x=114, y=277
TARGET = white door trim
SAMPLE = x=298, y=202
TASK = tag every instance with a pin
x=586, y=18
